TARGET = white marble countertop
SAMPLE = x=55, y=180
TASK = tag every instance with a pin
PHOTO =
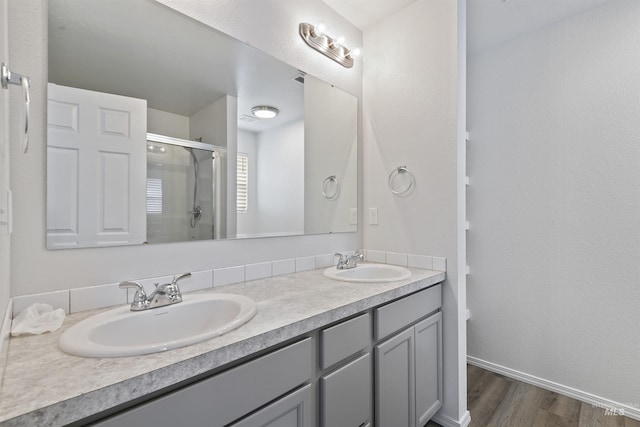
x=44, y=386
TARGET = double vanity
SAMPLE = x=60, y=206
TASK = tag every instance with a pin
x=315, y=350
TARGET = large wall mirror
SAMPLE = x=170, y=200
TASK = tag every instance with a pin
x=153, y=135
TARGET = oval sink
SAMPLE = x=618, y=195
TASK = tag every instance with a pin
x=369, y=273
x=122, y=332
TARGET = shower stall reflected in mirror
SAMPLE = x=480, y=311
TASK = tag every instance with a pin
x=183, y=182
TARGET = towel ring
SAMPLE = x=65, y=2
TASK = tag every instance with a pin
x=8, y=78
x=326, y=181
x=397, y=171
x=27, y=101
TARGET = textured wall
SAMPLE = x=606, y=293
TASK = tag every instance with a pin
x=271, y=25
x=410, y=118
x=554, y=203
x=279, y=187
x=4, y=171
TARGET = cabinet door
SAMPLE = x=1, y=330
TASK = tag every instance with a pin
x=395, y=381
x=346, y=395
x=428, y=341
x=293, y=410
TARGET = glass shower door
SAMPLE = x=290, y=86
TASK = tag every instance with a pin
x=180, y=193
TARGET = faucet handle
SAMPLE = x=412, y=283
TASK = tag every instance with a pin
x=180, y=277
x=140, y=301
x=342, y=260
x=174, y=293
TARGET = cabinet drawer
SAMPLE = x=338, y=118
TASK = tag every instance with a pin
x=293, y=410
x=346, y=394
x=398, y=314
x=223, y=398
x=341, y=341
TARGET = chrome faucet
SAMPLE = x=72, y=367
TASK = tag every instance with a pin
x=348, y=261
x=162, y=295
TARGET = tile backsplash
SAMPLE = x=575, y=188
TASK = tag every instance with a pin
x=408, y=260
x=101, y=296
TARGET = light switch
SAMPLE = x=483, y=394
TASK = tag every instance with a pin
x=353, y=218
x=373, y=216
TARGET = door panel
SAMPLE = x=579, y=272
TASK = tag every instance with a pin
x=395, y=389
x=428, y=336
x=346, y=394
x=108, y=134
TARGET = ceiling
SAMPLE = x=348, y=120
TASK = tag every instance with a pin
x=365, y=13
x=490, y=22
x=146, y=50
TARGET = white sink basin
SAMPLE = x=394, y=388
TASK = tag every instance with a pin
x=122, y=332
x=369, y=273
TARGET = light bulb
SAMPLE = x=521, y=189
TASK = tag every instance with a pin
x=340, y=40
x=355, y=53
x=320, y=29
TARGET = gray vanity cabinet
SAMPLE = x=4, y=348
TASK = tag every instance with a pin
x=293, y=410
x=346, y=391
x=385, y=361
x=428, y=370
x=408, y=365
x=224, y=398
x=346, y=394
x=395, y=381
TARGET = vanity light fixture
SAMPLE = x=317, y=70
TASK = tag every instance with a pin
x=265, y=111
x=332, y=48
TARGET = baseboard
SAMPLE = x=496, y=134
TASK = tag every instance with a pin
x=5, y=332
x=616, y=407
x=446, y=421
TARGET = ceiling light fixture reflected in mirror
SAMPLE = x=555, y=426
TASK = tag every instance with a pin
x=265, y=111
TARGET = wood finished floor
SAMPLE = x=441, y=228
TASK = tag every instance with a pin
x=498, y=401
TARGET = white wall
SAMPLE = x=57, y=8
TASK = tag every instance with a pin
x=5, y=243
x=208, y=123
x=281, y=176
x=554, y=203
x=271, y=25
x=410, y=118
x=330, y=137
x=167, y=124
x=276, y=180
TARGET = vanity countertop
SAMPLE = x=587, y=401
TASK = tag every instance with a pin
x=44, y=386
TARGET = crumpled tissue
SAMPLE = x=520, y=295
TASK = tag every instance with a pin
x=37, y=319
